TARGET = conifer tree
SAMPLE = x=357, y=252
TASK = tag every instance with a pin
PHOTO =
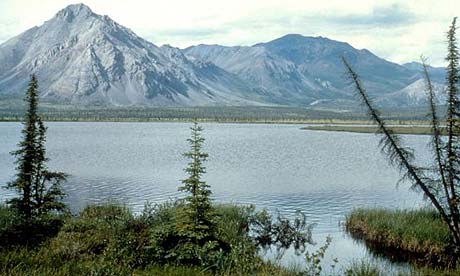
x=440, y=183
x=38, y=189
x=198, y=203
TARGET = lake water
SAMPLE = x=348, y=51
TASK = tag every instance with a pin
x=278, y=167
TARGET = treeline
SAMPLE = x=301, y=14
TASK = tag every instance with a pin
x=214, y=114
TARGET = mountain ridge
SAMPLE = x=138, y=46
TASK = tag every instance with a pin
x=84, y=58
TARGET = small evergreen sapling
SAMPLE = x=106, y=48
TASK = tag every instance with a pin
x=38, y=188
x=199, y=210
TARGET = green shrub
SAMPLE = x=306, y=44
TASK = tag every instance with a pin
x=238, y=229
x=16, y=230
x=109, y=240
x=109, y=232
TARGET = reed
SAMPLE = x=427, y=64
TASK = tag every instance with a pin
x=414, y=235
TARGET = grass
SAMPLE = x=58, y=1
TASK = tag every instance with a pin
x=365, y=268
x=29, y=265
x=417, y=236
x=414, y=235
x=102, y=267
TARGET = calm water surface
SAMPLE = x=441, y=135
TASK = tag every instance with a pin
x=278, y=167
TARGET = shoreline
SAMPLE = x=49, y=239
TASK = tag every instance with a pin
x=414, y=129
x=348, y=125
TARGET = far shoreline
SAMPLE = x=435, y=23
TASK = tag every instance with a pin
x=407, y=129
x=348, y=125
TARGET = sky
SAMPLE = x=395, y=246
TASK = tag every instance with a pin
x=399, y=31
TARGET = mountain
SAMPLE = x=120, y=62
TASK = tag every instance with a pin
x=84, y=58
x=414, y=94
x=277, y=80
x=437, y=74
x=295, y=69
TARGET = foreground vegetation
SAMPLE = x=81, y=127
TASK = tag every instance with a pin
x=366, y=268
x=416, y=236
x=410, y=235
x=110, y=240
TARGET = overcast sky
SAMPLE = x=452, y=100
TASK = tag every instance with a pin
x=399, y=31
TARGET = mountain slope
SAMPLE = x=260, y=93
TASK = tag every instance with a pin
x=309, y=70
x=82, y=57
x=276, y=79
x=414, y=95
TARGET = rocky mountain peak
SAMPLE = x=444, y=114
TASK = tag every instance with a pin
x=84, y=58
x=73, y=11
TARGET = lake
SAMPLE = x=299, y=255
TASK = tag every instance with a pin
x=278, y=167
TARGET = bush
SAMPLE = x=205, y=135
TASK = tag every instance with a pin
x=108, y=231
x=241, y=233
x=16, y=230
x=109, y=240
x=170, y=245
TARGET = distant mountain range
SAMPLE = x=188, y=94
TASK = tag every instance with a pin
x=84, y=58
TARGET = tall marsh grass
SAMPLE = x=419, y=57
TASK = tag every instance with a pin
x=418, y=235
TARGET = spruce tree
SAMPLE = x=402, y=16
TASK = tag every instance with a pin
x=199, y=212
x=38, y=189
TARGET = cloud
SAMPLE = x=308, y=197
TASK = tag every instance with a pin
x=395, y=30
x=392, y=15
x=175, y=36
